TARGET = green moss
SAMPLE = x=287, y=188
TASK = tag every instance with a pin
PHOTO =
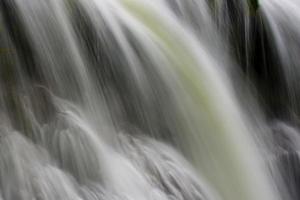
x=253, y=5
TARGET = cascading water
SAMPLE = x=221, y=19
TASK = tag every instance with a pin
x=137, y=99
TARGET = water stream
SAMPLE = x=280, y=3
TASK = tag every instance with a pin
x=153, y=100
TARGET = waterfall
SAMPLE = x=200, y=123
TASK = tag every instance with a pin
x=160, y=100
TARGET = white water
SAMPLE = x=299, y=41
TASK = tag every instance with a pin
x=129, y=99
x=283, y=20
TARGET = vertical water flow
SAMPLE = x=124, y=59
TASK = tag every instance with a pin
x=47, y=145
x=105, y=95
x=282, y=19
x=215, y=133
x=58, y=57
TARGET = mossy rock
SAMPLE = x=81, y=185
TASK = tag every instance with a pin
x=253, y=5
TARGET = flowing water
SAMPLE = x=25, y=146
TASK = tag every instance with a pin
x=139, y=99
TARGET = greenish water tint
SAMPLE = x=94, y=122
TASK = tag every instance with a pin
x=221, y=135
